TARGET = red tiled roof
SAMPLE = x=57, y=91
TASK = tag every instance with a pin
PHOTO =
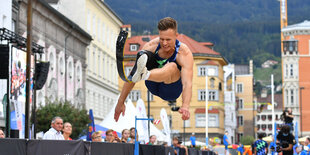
x=194, y=46
x=203, y=110
x=277, y=99
x=126, y=26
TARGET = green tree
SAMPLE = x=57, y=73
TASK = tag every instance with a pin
x=247, y=140
x=77, y=117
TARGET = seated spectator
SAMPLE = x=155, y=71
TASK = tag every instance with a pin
x=152, y=140
x=125, y=136
x=109, y=137
x=54, y=133
x=116, y=139
x=96, y=137
x=67, y=131
x=176, y=145
x=2, y=135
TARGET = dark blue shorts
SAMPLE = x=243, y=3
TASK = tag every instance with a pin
x=167, y=92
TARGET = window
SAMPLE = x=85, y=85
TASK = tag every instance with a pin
x=201, y=95
x=212, y=70
x=103, y=32
x=240, y=135
x=103, y=65
x=134, y=47
x=201, y=71
x=134, y=95
x=212, y=82
x=287, y=97
x=213, y=120
x=94, y=59
x=88, y=21
x=269, y=127
x=240, y=120
x=292, y=96
x=128, y=70
x=258, y=117
x=151, y=96
x=263, y=117
x=213, y=95
x=240, y=103
x=187, y=123
x=269, y=117
x=286, y=70
x=291, y=70
x=94, y=26
x=99, y=63
x=258, y=127
x=239, y=88
x=88, y=55
x=264, y=126
x=98, y=29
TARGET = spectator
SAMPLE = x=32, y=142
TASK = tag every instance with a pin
x=288, y=118
x=109, y=137
x=285, y=140
x=193, y=140
x=176, y=145
x=240, y=149
x=152, y=140
x=2, y=135
x=132, y=135
x=67, y=131
x=125, y=136
x=54, y=133
x=305, y=148
x=96, y=137
x=260, y=146
x=225, y=141
x=165, y=144
x=116, y=139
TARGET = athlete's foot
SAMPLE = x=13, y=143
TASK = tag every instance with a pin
x=140, y=72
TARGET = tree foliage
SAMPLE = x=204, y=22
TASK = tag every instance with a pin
x=247, y=140
x=77, y=117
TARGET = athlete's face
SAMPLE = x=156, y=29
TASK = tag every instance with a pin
x=167, y=40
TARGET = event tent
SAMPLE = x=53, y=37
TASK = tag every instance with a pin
x=128, y=121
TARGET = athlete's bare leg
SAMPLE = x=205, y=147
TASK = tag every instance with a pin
x=168, y=74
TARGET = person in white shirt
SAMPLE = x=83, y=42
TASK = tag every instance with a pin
x=54, y=133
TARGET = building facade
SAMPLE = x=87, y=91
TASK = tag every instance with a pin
x=205, y=61
x=64, y=47
x=230, y=102
x=244, y=98
x=103, y=24
x=295, y=72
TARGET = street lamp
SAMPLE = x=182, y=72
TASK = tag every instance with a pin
x=300, y=102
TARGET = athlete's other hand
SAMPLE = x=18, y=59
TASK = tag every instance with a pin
x=185, y=113
x=120, y=108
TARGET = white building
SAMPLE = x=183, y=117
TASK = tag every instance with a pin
x=99, y=20
x=230, y=101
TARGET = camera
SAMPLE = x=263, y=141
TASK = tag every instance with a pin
x=283, y=144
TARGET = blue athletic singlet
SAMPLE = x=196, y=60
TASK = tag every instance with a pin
x=261, y=145
x=170, y=91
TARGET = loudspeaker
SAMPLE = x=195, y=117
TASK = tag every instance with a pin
x=14, y=133
x=41, y=73
x=4, y=59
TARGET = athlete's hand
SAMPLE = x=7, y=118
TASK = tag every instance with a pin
x=120, y=108
x=185, y=113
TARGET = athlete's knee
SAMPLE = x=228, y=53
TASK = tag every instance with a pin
x=172, y=67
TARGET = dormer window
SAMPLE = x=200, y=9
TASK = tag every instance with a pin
x=134, y=47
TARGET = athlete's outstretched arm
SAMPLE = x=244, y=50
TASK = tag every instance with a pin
x=186, y=61
x=120, y=107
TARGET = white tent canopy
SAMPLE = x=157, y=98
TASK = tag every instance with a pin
x=128, y=121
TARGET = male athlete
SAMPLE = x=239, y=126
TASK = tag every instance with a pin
x=166, y=65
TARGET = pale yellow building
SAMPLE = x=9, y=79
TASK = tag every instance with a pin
x=103, y=24
x=244, y=96
x=204, y=59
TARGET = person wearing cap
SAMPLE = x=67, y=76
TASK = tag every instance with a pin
x=193, y=140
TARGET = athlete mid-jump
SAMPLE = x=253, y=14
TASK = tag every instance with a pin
x=166, y=65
